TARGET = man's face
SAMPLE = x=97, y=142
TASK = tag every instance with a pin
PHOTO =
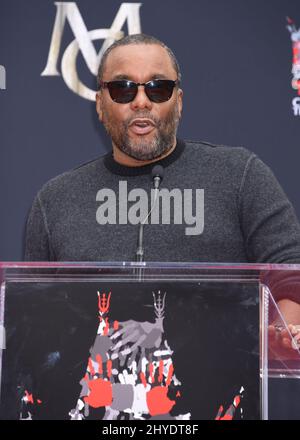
x=142, y=129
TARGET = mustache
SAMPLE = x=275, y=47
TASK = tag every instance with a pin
x=146, y=115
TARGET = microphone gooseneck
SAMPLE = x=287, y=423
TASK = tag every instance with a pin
x=157, y=176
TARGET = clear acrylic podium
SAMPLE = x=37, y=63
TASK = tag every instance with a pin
x=142, y=341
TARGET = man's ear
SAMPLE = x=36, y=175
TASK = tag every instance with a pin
x=99, y=105
x=180, y=101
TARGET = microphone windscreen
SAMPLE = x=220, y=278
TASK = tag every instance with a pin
x=158, y=171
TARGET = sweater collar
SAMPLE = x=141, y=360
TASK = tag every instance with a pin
x=123, y=170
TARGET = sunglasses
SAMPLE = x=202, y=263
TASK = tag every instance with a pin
x=123, y=91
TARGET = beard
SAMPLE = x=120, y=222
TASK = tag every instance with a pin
x=143, y=149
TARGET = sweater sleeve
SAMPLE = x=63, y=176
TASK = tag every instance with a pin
x=37, y=246
x=268, y=221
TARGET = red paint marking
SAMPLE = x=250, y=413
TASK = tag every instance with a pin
x=143, y=379
x=100, y=365
x=158, y=402
x=29, y=397
x=230, y=411
x=161, y=371
x=39, y=401
x=151, y=372
x=116, y=325
x=236, y=401
x=103, y=302
x=91, y=368
x=106, y=328
x=218, y=416
x=99, y=301
x=109, y=368
x=170, y=375
x=178, y=394
x=227, y=417
x=100, y=393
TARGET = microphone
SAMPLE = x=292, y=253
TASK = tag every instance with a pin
x=157, y=177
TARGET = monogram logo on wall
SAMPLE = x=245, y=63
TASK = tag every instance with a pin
x=295, y=37
x=83, y=42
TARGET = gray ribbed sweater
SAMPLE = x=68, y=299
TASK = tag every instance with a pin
x=247, y=217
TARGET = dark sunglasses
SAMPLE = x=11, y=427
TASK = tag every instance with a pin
x=124, y=91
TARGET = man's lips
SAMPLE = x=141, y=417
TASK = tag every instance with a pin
x=141, y=126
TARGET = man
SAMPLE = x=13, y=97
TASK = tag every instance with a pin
x=247, y=217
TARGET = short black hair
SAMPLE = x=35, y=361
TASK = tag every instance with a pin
x=137, y=39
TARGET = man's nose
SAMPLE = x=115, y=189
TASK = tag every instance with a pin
x=141, y=100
